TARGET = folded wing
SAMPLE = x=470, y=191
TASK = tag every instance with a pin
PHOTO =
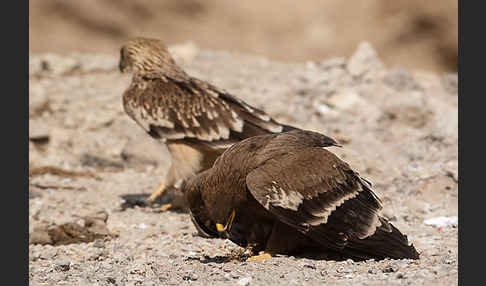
x=196, y=111
x=315, y=192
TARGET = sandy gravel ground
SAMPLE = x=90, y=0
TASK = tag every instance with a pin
x=398, y=128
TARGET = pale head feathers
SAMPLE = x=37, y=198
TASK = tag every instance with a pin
x=145, y=57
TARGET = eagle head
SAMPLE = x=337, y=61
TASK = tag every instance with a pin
x=147, y=57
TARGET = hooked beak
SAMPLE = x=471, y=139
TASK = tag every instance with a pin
x=121, y=66
x=223, y=230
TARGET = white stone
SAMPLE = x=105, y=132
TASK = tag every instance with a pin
x=244, y=281
x=442, y=221
x=344, y=99
x=363, y=60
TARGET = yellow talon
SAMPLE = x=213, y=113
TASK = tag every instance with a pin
x=165, y=207
x=260, y=257
x=157, y=193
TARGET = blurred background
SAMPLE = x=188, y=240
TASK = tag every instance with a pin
x=415, y=34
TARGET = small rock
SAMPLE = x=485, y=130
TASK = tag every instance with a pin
x=400, y=79
x=309, y=266
x=192, y=277
x=48, y=253
x=244, y=281
x=40, y=236
x=344, y=99
x=363, y=60
x=442, y=221
x=343, y=270
x=449, y=261
x=38, y=131
x=141, y=226
x=97, y=254
x=324, y=109
x=99, y=244
x=390, y=269
x=62, y=265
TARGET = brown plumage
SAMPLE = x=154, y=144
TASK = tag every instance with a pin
x=289, y=195
x=196, y=120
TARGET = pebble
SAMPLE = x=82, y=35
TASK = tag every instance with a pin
x=62, y=264
x=400, y=276
x=324, y=109
x=343, y=269
x=372, y=271
x=49, y=252
x=39, y=236
x=400, y=79
x=390, y=268
x=442, y=221
x=244, y=281
x=363, y=60
x=99, y=244
x=190, y=277
x=344, y=99
x=38, y=129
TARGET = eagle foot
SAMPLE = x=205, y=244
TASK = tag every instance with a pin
x=260, y=257
x=157, y=193
x=165, y=207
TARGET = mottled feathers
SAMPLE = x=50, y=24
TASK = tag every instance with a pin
x=171, y=105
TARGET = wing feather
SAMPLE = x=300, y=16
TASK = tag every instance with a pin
x=315, y=192
x=194, y=110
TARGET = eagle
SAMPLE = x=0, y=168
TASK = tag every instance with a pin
x=287, y=194
x=195, y=119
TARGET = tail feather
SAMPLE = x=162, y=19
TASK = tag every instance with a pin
x=386, y=242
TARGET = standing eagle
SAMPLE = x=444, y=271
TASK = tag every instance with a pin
x=196, y=120
x=286, y=194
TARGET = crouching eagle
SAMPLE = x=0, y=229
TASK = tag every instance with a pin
x=286, y=194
